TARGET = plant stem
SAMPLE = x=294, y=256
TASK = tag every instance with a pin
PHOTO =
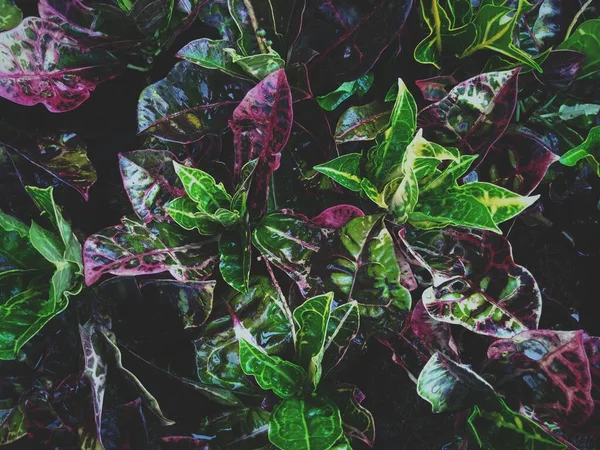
x=576, y=18
x=255, y=26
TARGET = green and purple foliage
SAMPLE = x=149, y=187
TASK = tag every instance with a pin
x=312, y=178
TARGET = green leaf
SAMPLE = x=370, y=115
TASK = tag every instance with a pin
x=16, y=251
x=403, y=124
x=211, y=55
x=10, y=17
x=361, y=86
x=239, y=200
x=203, y=189
x=257, y=66
x=586, y=40
x=44, y=198
x=447, y=178
x=358, y=422
x=235, y=258
x=449, y=386
x=13, y=425
x=453, y=209
x=497, y=427
x=588, y=150
x=502, y=203
x=570, y=112
x=305, y=424
x=405, y=198
x=343, y=326
x=184, y=212
x=284, y=378
x=47, y=244
x=312, y=319
x=362, y=123
x=493, y=30
x=261, y=17
x=344, y=170
x=372, y=193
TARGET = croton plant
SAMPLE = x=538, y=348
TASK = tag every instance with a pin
x=308, y=180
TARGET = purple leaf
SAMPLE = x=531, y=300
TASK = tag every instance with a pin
x=261, y=127
x=337, y=216
x=560, y=68
x=189, y=103
x=436, y=88
x=132, y=248
x=39, y=63
x=516, y=161
x=434, y=334
x=477, y=284
x=553, y=367
x=150, y=181
x=340, y=40
x=62, y=155
x=474, y=114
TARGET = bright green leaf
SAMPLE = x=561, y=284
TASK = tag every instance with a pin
x=184, y=212
x=588, y=150
x=235, y=257
x=344, y=170
x=203, y=189
x=361, y=86
x=586, y=40
x=10, y=15
x=258, y=66
x=211, y=54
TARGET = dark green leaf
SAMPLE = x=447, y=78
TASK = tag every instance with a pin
x=211, y=55
x=358, y=421
x=361, y=86
x=586, y=39
x=235, y=257
x=362, y=123
x=10, y=17
x=343, y=326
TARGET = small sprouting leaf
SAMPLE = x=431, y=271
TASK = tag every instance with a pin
x=502, y=203
x=553, y=366
x=189, y=103
x=586, y=40
x=41, y=64
x=132, y=248
x=497, y=427
x=403, y=122
x=588, y=150
x=289, y=242
x=314, y=423
x=10, y=17
x=234, y=258
x=361, y=86
x=312, y=319
x=449, y=386
x=474, y=114
x=362, y=123
x=211, y=55
x=344, y=170
x=284, y=378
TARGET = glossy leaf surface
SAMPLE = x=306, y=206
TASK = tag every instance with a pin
x=362, y=123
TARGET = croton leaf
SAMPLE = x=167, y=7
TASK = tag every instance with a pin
x=344, y=170
x=261, y=127
x=193, y=300
x=586, y=40
x=305, y=424
x=553, y=367
x=132, y=248
x=184, y=211
x=497, y=427
x=587, y=150
x=517, y=162
x=202, y=188
x=235, y=258
x=150, y=181
x=211, y=54
x=312, y=320
x=13, y=425
x=265, y=316
x=258, y=66
x=289, y=242
x=189, y=103
x=342, y=328
x=337, y=216
x=383, y=157
x=344, y=39
x=62, y=155
x=476, y=283
x=434, y=334
x=361, y=265
x=474, y=114
x=358, y=422
x=436, y=88
x=362, y=123
x=449, y=386
x=346, y=90
x=561, y=67
x=246, y=428
x=39, y=63
x=10, y=15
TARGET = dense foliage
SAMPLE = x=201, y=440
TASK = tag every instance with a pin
x=295, y=195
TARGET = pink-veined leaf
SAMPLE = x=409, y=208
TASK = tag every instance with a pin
x=337, y=216
x=434, y=334
x=39, y=63
x=552, y=366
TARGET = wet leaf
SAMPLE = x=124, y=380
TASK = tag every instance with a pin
x=235, y=258
x=362, y=123
x=211, y=54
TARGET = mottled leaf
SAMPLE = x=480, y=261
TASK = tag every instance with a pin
x=344, y=170
x=449, y=386
x=211, y=55
x=362, y=123
x=552, y=366
x=435, y=335
x=436, y=88
x=474, y=114
x=189, y=103
x=10, y=15
x=337, y=216
x=132, y=248
x=39, y=63
x=311, y=424
x=289, y=242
